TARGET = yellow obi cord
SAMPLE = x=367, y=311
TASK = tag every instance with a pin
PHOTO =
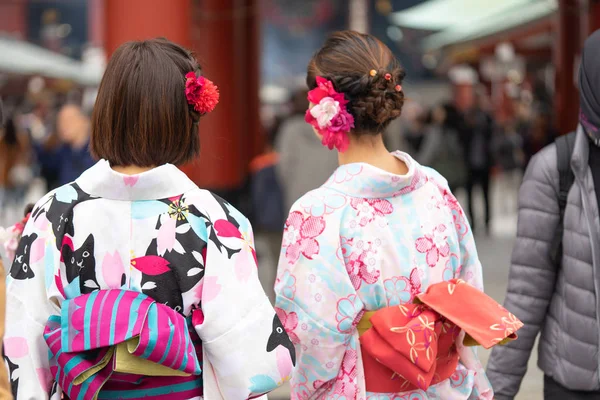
x=365, y=323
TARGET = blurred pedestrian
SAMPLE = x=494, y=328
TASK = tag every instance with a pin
x=15, y=170
x=359, y=249
x=5, y=389
x=539, y=135
x=442, y=148
x=304, y=164
x=149, y=256
x=268, y=214
x=507, y=150
x=71, y=157
x=477, y=142
x=554, y=281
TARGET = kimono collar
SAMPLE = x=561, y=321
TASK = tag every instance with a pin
x=366, y=181
x=158, y=183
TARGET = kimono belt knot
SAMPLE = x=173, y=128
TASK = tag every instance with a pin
x=413, y=346
x=117, y=331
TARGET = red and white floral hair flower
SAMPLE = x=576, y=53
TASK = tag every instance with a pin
x=329, y=115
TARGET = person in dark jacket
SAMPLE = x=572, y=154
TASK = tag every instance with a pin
x=561, y=299
x=477, y=142
x=72, y=157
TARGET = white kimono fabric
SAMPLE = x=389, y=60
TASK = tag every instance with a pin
x=158, y=234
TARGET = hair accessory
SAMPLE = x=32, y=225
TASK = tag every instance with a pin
x=388, y=77
x=201, y=93
x=398, y=88
x=329, y=115
x=372, y=72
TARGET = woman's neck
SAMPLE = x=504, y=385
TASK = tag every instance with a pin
x=371, y=150
x=130, y=169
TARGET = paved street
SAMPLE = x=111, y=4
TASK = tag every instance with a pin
x=494, y=252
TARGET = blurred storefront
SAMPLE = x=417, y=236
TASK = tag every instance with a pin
x=514, y=46
x=258, y=51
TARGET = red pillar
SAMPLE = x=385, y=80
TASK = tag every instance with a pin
x=96, y=21
x=225, y=37
x=146, y=19
x=566, y=99
x=593, y=16
x=13, y=18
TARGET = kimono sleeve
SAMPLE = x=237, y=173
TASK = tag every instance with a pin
x=247, y=352
x=28, y=307
x=472, y=273
x=318, y=306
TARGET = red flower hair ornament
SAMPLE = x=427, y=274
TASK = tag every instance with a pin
x=201, y=93
x=329, y=115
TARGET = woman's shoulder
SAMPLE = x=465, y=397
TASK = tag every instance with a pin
x=211, y=206
x=434, y=176
x=321, y=202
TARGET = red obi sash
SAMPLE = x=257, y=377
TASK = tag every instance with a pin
x=413, y=346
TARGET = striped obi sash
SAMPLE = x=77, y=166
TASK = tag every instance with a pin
x=413, y=346
x=104, y=343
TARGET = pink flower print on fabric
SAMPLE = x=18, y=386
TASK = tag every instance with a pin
x=284, y=364
x=300, y=236
x=348, y=313
x=460, y=221
x=320, y=205
x=397, y=290
x=458, y=377
x=346, y=385
x=151, y=265
x=360, y=260
x=434, y=245
x=209, y=289
x=167, y=239
x=452, y=269
x=45, y=377
x=113, y=270
x=346, y=173
x=300, y=385
x=233, y=238
x=418, y=179
x=368, y=209
x=130, y=180
x=413, y=283
x=16, y=347
x=288, y=284
x=289, y=322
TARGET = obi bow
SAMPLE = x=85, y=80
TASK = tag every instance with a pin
x=413, y=346
x=119, y=335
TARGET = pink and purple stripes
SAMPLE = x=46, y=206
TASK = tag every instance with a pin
x=91, y=323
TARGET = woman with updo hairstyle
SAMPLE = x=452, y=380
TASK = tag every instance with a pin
x=380, y=235
x=131, y=282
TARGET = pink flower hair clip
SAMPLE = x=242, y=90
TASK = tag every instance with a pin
x=329, y=115
x=201, y=93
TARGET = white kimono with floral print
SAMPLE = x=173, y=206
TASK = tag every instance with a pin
x=155, y=233
x=368, y=239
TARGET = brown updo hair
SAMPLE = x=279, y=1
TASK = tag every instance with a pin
x=346, y=59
